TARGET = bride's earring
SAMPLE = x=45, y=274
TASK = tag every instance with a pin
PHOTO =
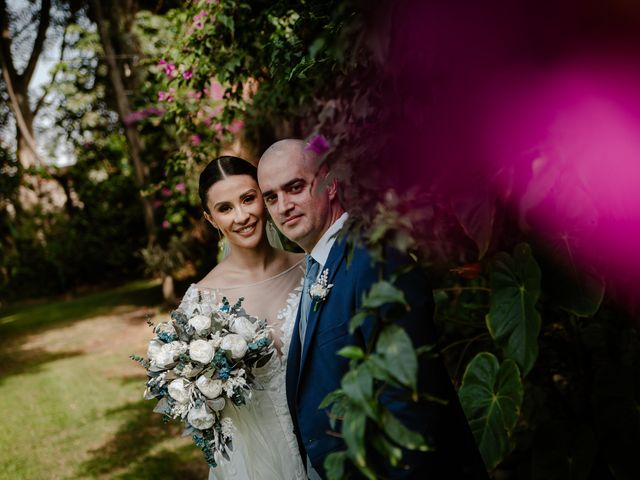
x=273, y=236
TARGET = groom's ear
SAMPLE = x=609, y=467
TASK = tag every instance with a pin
x=332, y=185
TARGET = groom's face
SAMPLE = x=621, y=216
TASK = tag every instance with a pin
x=298, y=205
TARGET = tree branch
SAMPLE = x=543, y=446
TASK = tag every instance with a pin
x=43, y=26
x=5, y=44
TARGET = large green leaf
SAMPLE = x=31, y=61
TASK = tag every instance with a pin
x=400, y=434
x=395, y=346
x=357, y=384
x=491, y=396
x=476, y=213
x=382, y=292
x=513, y=319
x=353, y=427
x=334, y=465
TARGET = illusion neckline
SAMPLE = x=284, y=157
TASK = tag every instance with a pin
x=297, y=264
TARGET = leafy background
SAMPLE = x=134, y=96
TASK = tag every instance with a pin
x=544, y=354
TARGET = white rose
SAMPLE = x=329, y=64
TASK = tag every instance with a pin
x=179, y=390
x=217, y=404
x=201, y=351
x=153, y=349
x=169, y=352
x=209, y=388
x=235, y=344
x=244, y=327
x=165, y=327
x=200, y=323
x=200, y=418
x=166, y=356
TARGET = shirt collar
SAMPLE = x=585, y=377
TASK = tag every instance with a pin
x=320, y=252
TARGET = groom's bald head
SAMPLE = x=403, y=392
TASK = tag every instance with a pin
x=292, y=148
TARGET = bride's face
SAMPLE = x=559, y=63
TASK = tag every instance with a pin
x=237, y=209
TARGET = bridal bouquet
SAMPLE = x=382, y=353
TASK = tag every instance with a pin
x=198, y=364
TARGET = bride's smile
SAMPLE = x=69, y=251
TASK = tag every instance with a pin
x=237, y=210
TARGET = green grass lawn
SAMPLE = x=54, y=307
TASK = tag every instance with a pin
x=71, y=399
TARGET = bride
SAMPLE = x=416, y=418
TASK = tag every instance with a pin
x=269, y=280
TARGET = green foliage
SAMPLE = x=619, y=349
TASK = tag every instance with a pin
x=513, y=320
x=491, y=395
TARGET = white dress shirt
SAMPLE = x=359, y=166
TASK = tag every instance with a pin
x=322, y=248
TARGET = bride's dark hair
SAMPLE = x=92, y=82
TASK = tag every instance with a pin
x=219, y=169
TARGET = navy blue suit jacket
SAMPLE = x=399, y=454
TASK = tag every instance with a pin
x=314, y=370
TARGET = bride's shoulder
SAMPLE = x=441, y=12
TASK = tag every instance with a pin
x=211, y=279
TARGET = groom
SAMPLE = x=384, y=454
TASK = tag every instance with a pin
x=303, y=202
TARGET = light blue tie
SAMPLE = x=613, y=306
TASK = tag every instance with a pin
x=310, y=277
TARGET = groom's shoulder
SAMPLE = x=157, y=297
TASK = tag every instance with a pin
x=363, y=258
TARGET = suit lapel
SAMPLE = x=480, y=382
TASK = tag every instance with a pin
x=293, y=363
x=333, y=263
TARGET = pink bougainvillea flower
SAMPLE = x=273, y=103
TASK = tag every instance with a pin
x=318, y=144
x=157, y=204
x=198, y=20
x=181, y=187
x=162, y=62
x=187, y=74
x=236, y=126
x=170, y=70
x=166, y=224
x=215, y=91
x=165, y=192
x=166, y=96
x=195, y=140
x=133, y=117
x=194, y=95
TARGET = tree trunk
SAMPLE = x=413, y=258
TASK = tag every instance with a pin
x=122, y=103
x=17, y=86
x=168, y=290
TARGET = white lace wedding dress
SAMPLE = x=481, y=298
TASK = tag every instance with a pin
x=264, y=445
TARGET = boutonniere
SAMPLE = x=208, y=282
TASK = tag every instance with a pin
x=320, y=289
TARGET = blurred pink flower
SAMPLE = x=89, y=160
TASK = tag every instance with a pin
x=195, y=140
x=215, y=91
x=157, y=204
x=166, y=96
x=317, y=144
x=136, y=116
x=166, y=224
x=236, y=126
x=187, y=74
x=198, y=20
x=165, y=192
x=195, y=95
x=181, y=187
x=169, y=68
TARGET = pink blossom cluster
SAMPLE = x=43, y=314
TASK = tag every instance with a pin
x=169, y=68
x=317, y=144
x=167, y=96
x=198, y=20
x=136, y=116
